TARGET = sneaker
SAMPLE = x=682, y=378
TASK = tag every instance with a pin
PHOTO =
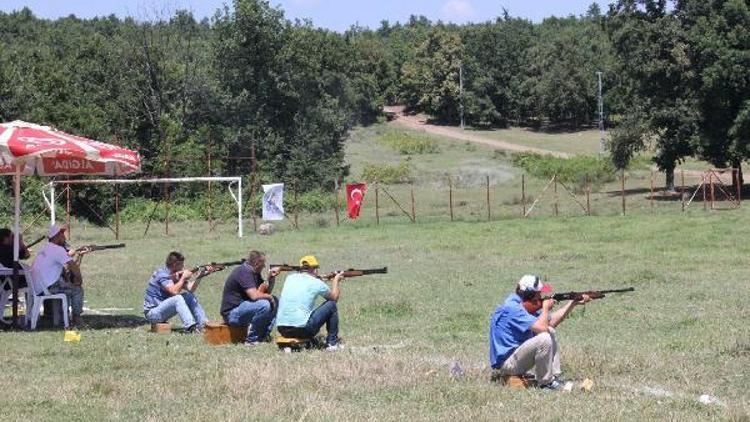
x=252, y=343
x=553, y=386
x=334, y=347
x=193, y=329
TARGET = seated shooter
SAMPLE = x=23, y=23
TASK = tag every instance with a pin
x=522, y=334
x=171, y=291
x=297, y=317
x=247, y=299
x=53, y=262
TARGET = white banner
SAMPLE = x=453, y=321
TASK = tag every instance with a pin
x=273, y=202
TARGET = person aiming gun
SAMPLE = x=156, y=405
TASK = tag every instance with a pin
x=50, y=267
x=297, y=317
x=522, y=333
x=247, y=299
x=171, y=291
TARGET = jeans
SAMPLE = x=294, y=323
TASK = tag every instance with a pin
x=185, y=305
x=74, y=293
x=327, y=313
x=259, y=314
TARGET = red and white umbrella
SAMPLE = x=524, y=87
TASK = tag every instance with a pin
x=27, y=148
x=48, y=152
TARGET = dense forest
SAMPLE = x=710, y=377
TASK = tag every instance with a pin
x=676, y=77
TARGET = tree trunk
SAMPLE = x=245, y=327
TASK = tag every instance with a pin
x=738, y=165
x=670, y=180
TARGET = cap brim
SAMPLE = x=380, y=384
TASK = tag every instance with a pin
x=546, y=288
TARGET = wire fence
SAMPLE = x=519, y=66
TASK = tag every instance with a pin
x=522, y=197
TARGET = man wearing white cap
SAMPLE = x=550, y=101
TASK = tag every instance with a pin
x=522, y=333
x=48, y=268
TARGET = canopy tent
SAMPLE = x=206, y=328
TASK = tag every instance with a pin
x=27, y=148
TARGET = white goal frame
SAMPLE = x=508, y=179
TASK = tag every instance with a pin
x=232, y=182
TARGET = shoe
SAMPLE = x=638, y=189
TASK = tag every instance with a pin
x=553, y=386
x=334, y=347
x=252, y=343
x=193, y=329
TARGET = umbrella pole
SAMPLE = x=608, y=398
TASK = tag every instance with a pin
x=16, y=245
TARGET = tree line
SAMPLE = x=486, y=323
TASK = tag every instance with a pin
x=675, y=74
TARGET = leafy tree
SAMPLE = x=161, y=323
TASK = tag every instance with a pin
x=719, y=35
x=431, y=80
x=653, y=53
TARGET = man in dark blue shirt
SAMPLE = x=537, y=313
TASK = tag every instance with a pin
x=522, y=333
x=247, y=298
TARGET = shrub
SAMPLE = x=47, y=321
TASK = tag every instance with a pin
x=385, y=173
x=571, y=171
x=408, y=143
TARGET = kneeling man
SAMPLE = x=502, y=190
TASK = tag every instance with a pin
x=171, y=291
x=296, y=316
x=522, y=333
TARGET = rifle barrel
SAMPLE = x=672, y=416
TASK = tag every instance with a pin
x=36, y=241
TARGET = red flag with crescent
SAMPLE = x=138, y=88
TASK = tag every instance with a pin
x=355, y=193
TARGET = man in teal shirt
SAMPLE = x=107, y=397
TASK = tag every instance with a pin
x=297, y=316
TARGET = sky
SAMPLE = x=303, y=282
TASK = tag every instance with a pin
x=332, y=14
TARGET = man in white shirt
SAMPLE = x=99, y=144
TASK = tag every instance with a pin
x=49, y=266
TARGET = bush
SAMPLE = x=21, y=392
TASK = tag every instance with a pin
x=572, y=171
x=385, y=173
x=408, y=143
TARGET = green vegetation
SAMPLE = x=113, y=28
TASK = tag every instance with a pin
x=580, y=170
x=404, y=330
x=385, y=173
x=408, y=143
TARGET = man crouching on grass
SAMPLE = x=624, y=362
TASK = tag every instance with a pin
x=522, y=334
x=298, y=316
x=170, y=292
x=247, y=298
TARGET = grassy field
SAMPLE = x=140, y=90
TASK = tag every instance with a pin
x=651, y=354
x=577, y=142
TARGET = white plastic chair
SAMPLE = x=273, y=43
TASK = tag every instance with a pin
x=5, y=292
x=38, y=299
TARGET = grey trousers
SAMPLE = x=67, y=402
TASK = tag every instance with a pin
x=540, y=353
x=73, y=292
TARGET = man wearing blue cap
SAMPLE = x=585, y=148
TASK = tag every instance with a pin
x=522, y=333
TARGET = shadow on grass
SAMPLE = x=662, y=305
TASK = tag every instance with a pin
x=97, y=322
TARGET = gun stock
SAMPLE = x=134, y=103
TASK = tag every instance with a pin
x=593, y=294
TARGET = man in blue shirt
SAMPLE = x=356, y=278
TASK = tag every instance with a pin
x=522, y=333
x=170, y=292
x=296, y=317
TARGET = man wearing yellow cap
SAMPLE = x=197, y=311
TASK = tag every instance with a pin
x=297, y=316
x=247, y=298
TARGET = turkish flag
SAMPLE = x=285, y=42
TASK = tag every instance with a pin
x=355, y=193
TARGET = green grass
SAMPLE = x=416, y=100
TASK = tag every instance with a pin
x=467, y=163
x=681, y=331
x=578, y=142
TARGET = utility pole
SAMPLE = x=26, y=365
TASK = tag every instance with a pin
x=461, y=90
x=602, y=143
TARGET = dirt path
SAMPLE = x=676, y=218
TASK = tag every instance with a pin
x=419, y=122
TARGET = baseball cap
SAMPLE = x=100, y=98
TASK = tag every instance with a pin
x=54, y=229
x=533, y=283
x=308, y=261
